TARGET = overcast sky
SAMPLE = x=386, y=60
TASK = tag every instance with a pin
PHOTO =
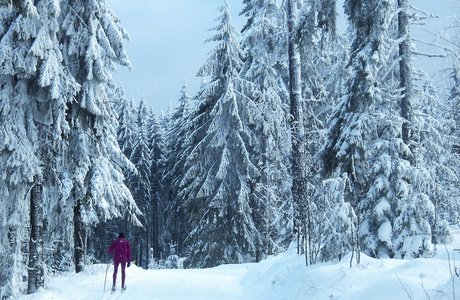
x=167, y=45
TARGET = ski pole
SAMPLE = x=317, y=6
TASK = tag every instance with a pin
x=106, y=271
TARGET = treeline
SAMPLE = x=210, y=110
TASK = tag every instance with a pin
x=300, y=133
x=297, y=134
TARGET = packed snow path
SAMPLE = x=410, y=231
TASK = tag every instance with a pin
x=282, y=277
x=217, y=283
x=183, y=284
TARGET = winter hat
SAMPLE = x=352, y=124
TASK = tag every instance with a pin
x=121, y=235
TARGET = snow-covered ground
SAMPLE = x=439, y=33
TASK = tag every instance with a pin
x=280, y=277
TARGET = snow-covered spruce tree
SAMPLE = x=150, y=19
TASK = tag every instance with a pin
x=423, y=218
x=156, y=229
x=104, y=232
x=323, y=58
x=126, y=135
x=93, y=42
x=175, y=145
x=264, y=44
x=338, y=220
x=365, y=135
x=35, y=89
x=126, y=117
x=141, y=187
x=446, y=156
x=448, y=205
x=53, y=88
x=418, y=213
x=216, y=185
x=19, y=162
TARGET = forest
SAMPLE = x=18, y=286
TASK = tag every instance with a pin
x=298, y=134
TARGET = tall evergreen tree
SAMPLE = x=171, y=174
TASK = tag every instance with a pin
x=141, y=157
x=93, y=42
x=216, y=186
x=18, y=138
x=53, y=87
x=264, y=43
x=446, y=128
x=126, y=122
x=35, y=89
x=175, y=146
x=323, y=55
x=417, y=220
x=365, y=139
x=157, y=229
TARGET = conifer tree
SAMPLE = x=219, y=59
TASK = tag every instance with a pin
x=416, y=218
x=157, y=229
x=44, y=87
x=126, y=122
x=141, y=186
x=35, y=90
x=93, y=42
x=216, y=186
x=175, y=159
x=323, y=55
x=18, y=135
x=339, y=220
x=264, y=43
x=364, y=139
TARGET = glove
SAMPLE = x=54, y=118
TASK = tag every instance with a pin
x=129, y=264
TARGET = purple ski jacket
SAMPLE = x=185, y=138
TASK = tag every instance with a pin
x=120, y=250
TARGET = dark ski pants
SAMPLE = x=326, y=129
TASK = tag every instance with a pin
x=115, y=271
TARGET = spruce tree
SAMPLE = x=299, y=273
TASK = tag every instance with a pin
x=126, y=117
x=323, y=55
x=93, y=42
x=216, y=185
x=35, y=90
x=141, y=186
x=175, y=146
x=416, y=217
x=157, y=229
x=264, y=44
x=365, y=139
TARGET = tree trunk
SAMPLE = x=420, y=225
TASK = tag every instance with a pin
x=405, y=70
x=78, y=235
x=36, y=263
x=297, y=131
x=155, y=223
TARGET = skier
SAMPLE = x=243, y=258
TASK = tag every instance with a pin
x=121, y=252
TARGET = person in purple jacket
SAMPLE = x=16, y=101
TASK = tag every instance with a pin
x=121, y=252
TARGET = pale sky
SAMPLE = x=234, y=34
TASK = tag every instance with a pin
x=167, y=45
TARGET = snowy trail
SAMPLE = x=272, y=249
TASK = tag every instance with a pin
x=222, y=283
x=282, y=277
x=180, y=284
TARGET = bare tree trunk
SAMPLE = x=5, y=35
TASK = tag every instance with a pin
x=36, y=263
x=78, y=235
